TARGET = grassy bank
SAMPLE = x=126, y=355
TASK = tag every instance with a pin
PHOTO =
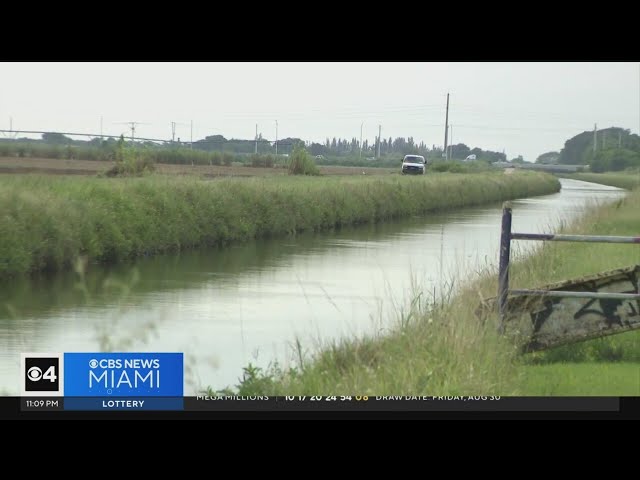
x=628, y=180
x=443, y=349
x=48, y=223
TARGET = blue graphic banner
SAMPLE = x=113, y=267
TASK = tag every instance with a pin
x=123, y=375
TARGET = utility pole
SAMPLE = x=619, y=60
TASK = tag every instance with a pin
x=595, y=137
x=446, y=127
x=173, y=131
x=10, y=134
x=276, y=139
x=133, y=131
x=256, y=152
x=379, y=140
x=132, y=126
x=361, y=125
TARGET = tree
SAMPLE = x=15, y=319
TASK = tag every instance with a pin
x=460, y=151
x=286, y=145
x=548, y=158
x=56, y=138
x=615, y=160
x=317, y=149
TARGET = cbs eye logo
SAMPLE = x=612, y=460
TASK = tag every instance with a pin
x=41, y=374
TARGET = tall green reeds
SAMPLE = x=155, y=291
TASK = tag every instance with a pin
x=46, y=223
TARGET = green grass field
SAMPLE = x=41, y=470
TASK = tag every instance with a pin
x=627, y=180
x=582, y=379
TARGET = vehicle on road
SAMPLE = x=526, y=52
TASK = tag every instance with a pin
x=414, y=164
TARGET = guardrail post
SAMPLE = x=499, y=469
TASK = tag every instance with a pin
x=503, y=272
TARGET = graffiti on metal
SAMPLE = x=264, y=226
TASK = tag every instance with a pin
x=546, y=321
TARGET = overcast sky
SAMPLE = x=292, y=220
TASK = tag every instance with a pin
x=524, y=108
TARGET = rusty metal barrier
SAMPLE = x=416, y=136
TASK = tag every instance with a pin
x=623, y=277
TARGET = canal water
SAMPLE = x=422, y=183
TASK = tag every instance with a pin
x=253, y=302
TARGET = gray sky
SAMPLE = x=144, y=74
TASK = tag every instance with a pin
x=524, y=108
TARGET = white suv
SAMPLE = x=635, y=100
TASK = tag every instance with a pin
x=415, y=164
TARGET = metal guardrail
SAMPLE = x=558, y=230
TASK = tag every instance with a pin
x=505, y=254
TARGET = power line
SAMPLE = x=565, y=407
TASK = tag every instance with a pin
x=335, y=111
x=81, y=134
x=157, y=140
x=558, y=129
x=350, y=112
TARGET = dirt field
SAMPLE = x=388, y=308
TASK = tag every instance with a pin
x=88, y=167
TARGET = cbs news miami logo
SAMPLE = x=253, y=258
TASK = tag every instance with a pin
x=102, y=374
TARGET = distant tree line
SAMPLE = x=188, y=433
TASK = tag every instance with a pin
x=609, y=149
x=335, y=150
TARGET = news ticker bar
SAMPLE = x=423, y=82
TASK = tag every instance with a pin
x=327, y=403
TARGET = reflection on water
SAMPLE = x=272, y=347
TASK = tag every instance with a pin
x=246, y=303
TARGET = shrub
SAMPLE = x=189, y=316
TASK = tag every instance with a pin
x=301, y=163
x=256, y=161
x=131, y=163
